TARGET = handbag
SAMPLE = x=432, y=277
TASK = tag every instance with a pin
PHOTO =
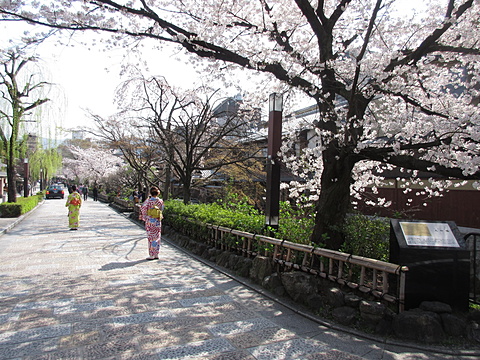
x=155, y=213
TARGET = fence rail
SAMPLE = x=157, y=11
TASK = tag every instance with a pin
x=120, y=204
x=383, y=280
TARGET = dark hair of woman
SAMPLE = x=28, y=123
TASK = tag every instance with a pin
x=154, y=191
x=74, y=187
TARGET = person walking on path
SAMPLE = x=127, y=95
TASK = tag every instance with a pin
x=143, y=194
x=74, y=202
x=85, y=192
x=151, y=213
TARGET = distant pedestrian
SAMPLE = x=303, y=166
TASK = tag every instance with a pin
x=143, y=195
x=151, y=213
x=95, y=193
x=136, y=197
x=85, y=192
x=74, y=202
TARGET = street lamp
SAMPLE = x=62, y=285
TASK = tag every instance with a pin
x=41, y=179
x=272, y=208
x=25, y=177
x=275, y=102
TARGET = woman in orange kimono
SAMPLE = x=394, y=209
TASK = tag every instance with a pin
x=151, y=212
x=74, y=202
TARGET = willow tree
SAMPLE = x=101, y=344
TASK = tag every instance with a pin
x=395, y=88
x=44, y=163
x=19, y=96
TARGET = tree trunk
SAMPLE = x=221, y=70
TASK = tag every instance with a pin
x=334, y=201
x=166, y=186
x=186, y=194
x=186, y=180
x=12, y=186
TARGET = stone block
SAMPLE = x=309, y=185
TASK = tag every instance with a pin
x=352, y=300
x=298, y=285
x=200, y=248
x=261, y=268
x=436, y=307
x=453, y=325
x=243, y=267
x=473, y=332
x=223, y=258
x=419, y=326
x=474, y=315
x=273, y=281
x=372, y=311
x=345, y=315
x=274, y=284
x=335, y=297
x=314, y=301
x=384, y=327
x=233, y=261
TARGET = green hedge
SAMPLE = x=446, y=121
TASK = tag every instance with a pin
x=212, y=214
x=364, y=236
x=22, y=206
x=295, y=225
x=367, y=236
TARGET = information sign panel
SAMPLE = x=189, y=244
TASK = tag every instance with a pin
x=428, y=234
x=437, y=258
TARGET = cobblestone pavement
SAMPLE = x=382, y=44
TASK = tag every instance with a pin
x=90, y=294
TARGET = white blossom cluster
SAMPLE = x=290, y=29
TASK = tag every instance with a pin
x=91, y=164
x=423, y=107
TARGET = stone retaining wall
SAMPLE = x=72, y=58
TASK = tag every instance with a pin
x=433, y=322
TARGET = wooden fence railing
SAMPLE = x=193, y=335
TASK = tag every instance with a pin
x=122, y=204
x=103, y=197
x=385, y=281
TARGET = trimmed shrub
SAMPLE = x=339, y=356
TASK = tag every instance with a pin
x=295, y=224
x=22, y=206
x=214, y=214
x=367, y=236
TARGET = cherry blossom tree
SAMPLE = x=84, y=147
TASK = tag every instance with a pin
x=90, y=164
x=391, y=89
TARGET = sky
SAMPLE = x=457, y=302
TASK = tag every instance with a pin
x=89, y=76
x=85, y=78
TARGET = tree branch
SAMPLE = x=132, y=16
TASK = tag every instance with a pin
x=429, y=43
x=412, y=163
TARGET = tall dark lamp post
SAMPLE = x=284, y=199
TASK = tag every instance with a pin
x=41, y=179
x=272, y=209
x=25, y=177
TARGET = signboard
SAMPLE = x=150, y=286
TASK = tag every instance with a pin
x=438, y=262
x=428, y=234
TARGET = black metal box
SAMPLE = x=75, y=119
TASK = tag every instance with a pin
x=438, y=262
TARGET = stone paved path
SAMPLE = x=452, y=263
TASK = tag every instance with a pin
x=90, y=294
